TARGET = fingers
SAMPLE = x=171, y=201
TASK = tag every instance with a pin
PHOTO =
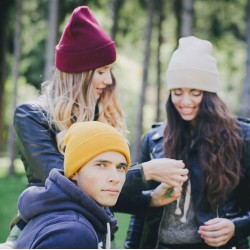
x=179, y=163
x=165, y=170
x=216, y=242
x=159, y=197
x=177, y=192
x=167, y=201
x=217, y=232
x=176, y=180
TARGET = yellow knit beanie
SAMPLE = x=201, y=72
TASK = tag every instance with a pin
x=192, y=65
x=86, y=140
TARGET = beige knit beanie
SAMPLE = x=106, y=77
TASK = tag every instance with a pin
x=193, y=66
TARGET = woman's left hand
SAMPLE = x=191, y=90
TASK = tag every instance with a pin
x=159, y=196
x=217, y=232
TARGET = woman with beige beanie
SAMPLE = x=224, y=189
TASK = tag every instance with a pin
x=214, y=208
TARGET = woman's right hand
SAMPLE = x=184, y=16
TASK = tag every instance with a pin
x=169, y=171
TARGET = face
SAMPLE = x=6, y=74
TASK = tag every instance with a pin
x=102, y=177
x=187, y=102
x=101, y=79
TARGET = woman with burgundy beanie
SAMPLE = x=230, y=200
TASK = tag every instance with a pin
x=83, y=88
x=214, y=208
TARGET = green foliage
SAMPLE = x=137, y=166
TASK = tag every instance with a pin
x=211, y=22
x=228, y=36
x=34, y=32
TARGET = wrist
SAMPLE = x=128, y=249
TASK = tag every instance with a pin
x=145, y=166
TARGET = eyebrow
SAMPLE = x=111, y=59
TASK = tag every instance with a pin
x=107, y=67
x=103, y=161
x=110, y=162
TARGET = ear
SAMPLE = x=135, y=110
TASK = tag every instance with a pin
x=74, y=177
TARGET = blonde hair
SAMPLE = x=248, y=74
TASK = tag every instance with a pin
x=70, y=99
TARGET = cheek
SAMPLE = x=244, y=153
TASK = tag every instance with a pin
x=175, y=100
x=92, y=190
x=95, y=80
x=198, y=102
x=122, y=179
x=85, y=180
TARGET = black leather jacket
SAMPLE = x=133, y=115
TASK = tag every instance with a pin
x=143, y=230
x=36, y=141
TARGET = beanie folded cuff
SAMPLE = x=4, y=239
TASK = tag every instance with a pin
x=86, y=140
x=193, y=78
x=80, y=61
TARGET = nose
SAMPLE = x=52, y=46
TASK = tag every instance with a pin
x=108, y=79
x=186, y=99
x=114, y=175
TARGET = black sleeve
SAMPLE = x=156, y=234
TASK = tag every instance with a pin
x=36, y=143
x=135, y=230
x=242, y=224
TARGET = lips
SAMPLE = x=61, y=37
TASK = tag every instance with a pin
x=111, y=191
x=186, y=111
x=99, y=91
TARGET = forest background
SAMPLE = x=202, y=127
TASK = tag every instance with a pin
x=146, y=33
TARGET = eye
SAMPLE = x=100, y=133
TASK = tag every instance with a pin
x=197, y=92
x=121, y=167
x=101, y=165
x=177, y=92
x=101, y=72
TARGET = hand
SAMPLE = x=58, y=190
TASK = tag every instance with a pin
x=217, y=232
x=158, y=196
x=169, y=171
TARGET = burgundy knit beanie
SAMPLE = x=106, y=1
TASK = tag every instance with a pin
x=84, y=45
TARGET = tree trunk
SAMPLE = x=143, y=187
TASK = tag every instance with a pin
x=51, y=38
x=15, y=75
x=187, y=18
x=158, y=64
x=116, y=6
x=139, y=120
x=4, y=28
x=177, y=6
x=245, y=103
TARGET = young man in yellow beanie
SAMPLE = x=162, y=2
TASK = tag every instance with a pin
x=70, y=211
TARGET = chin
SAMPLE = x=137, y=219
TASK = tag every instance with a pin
x=188, y=117
x=97, y=98
x=110, y=203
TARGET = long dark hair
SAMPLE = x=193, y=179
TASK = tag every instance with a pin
x=217, y=138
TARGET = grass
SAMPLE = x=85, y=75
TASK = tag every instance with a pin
x=120, y=235
x=10, y=189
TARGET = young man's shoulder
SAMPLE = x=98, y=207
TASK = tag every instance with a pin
x=68, y=232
